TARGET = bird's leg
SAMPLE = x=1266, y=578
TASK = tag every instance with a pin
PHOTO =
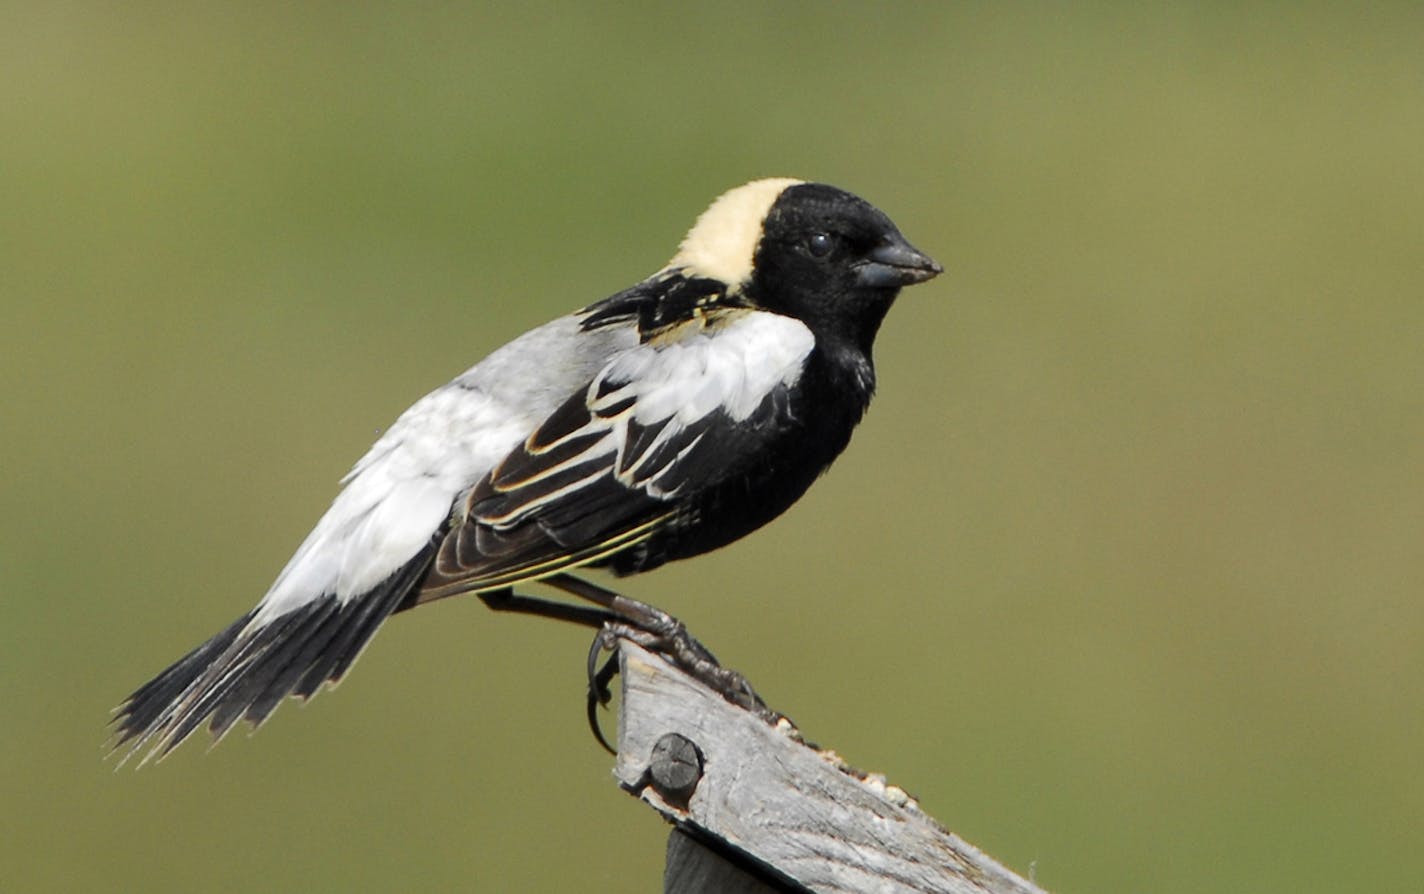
x=507, y=600
x=655, y=630
x=640, y=615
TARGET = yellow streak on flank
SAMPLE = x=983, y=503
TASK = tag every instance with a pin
x=536, y=571
x=723, y=242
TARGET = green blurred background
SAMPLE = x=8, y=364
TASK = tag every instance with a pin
x=1121, y=576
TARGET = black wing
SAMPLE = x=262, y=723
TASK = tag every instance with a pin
x=614, y=467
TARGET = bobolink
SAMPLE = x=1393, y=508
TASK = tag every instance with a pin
x=664, y=421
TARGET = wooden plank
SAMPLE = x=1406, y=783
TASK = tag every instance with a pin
x=800, y=813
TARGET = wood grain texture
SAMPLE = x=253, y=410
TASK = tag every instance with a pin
x=801, y=812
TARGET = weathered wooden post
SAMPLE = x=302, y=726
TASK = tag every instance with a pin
x=756, y=808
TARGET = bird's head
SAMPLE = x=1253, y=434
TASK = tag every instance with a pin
x=806, y=250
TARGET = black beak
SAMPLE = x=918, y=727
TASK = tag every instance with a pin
x=895, y=263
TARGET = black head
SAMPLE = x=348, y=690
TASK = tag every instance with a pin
x=834, y=261
x=807, y=250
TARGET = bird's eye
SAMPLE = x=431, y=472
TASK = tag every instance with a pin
x=820, y=244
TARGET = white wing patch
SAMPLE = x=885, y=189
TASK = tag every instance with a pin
x=730, y=366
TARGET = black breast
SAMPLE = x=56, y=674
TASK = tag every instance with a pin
x=780, y=450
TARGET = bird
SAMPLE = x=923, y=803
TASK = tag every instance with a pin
x=664, y=421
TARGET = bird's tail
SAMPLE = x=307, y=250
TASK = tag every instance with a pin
x=246, y=670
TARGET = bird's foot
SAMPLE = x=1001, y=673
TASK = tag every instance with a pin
x=667, y=637
x=658, y=632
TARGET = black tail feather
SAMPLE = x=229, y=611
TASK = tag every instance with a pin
x=295, y=658
x=142, y=710
x=267, y=657
x=245, y=671
x=337, y=655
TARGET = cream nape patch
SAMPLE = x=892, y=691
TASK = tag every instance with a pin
x=723, y=242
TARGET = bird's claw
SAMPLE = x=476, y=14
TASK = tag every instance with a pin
x=672, y=641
